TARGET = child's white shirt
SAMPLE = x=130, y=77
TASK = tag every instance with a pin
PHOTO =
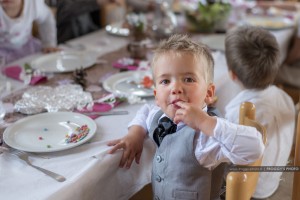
x=275, y=110
x=230, y=142
x=14, y=33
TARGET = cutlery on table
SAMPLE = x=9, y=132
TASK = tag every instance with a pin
x=24, y=156
x=118, y=112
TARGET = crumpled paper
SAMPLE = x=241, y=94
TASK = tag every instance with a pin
x=48, y=99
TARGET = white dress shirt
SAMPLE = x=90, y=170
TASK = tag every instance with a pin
x=230, y=143
x=275, y=110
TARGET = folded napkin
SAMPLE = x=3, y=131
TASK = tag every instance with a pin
x=15, y=72
x=131, y=64
x=101, y=107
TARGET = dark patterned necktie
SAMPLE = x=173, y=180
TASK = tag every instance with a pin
x=165, y=127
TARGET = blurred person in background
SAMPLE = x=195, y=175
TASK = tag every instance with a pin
x=289, y=72
x=16, y=21
x=78, y=17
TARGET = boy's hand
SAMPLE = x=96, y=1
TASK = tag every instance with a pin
x=132, y=145
x=188, y=114
x=194, y=117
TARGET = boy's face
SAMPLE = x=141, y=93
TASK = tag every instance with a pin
x=180, y=78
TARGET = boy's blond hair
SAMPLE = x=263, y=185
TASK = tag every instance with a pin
x=180, y=44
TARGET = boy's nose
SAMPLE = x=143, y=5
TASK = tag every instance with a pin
x=176, y=89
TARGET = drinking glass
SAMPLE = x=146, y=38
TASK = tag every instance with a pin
x=3, y=81
x=2, y=90
x=2, y=114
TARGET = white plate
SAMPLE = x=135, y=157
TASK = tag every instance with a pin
x=123, y=83
x=51, y=127
x=270, y=22
x=117, y=29
x=64, y=61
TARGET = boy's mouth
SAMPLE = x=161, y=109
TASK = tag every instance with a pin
x=174, y=103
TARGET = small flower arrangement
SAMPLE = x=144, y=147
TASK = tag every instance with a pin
x=138, y=26
x=206, y=15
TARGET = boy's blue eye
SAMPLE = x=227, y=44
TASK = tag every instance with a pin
x=189, y=80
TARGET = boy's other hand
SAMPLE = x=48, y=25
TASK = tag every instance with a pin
x=132, y=145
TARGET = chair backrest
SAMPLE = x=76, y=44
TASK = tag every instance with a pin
x=296, y=183
x=241, y=185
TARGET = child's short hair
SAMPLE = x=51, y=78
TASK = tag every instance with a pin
x=252, y=54
x=178, y=43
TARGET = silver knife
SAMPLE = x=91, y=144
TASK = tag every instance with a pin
x=117, y=112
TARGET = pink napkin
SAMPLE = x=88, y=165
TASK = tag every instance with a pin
x=101, y=107
x=15, y=71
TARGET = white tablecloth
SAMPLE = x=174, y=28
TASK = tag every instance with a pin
x=90, y=172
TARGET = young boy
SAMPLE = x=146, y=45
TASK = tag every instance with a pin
x=185, y=161
x=252, y=57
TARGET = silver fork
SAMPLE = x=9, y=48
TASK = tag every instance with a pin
x=24, y=156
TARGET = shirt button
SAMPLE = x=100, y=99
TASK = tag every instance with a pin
x=159, y=159
x=158, y=178
x=156, y=198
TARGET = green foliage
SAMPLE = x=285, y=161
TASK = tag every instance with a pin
x=27, y=68
x=206, y=16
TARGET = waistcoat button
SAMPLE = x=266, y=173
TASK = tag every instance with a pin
x=159, y=159
x=158, y=178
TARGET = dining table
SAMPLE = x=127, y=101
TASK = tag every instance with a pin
x=90, y=172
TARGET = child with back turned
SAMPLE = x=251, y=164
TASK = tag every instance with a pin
x=191, y=141
x=16, y=18
x=253, y=60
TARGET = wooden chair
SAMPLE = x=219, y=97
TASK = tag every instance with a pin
x=144, y=194
x=241, y=185
x=296, y=183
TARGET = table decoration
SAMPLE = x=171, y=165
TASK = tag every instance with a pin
x=80, y=77
x=103, y=104
x=138, y=26
x=206, y=16
x=132, y=64
x=164, y=22
x=17, y=72
x=53, y=99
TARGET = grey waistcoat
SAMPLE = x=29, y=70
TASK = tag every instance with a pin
x=177, y=174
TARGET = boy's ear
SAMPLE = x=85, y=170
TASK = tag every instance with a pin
x=154, y=92
x=232, y=75
x=210, y=95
